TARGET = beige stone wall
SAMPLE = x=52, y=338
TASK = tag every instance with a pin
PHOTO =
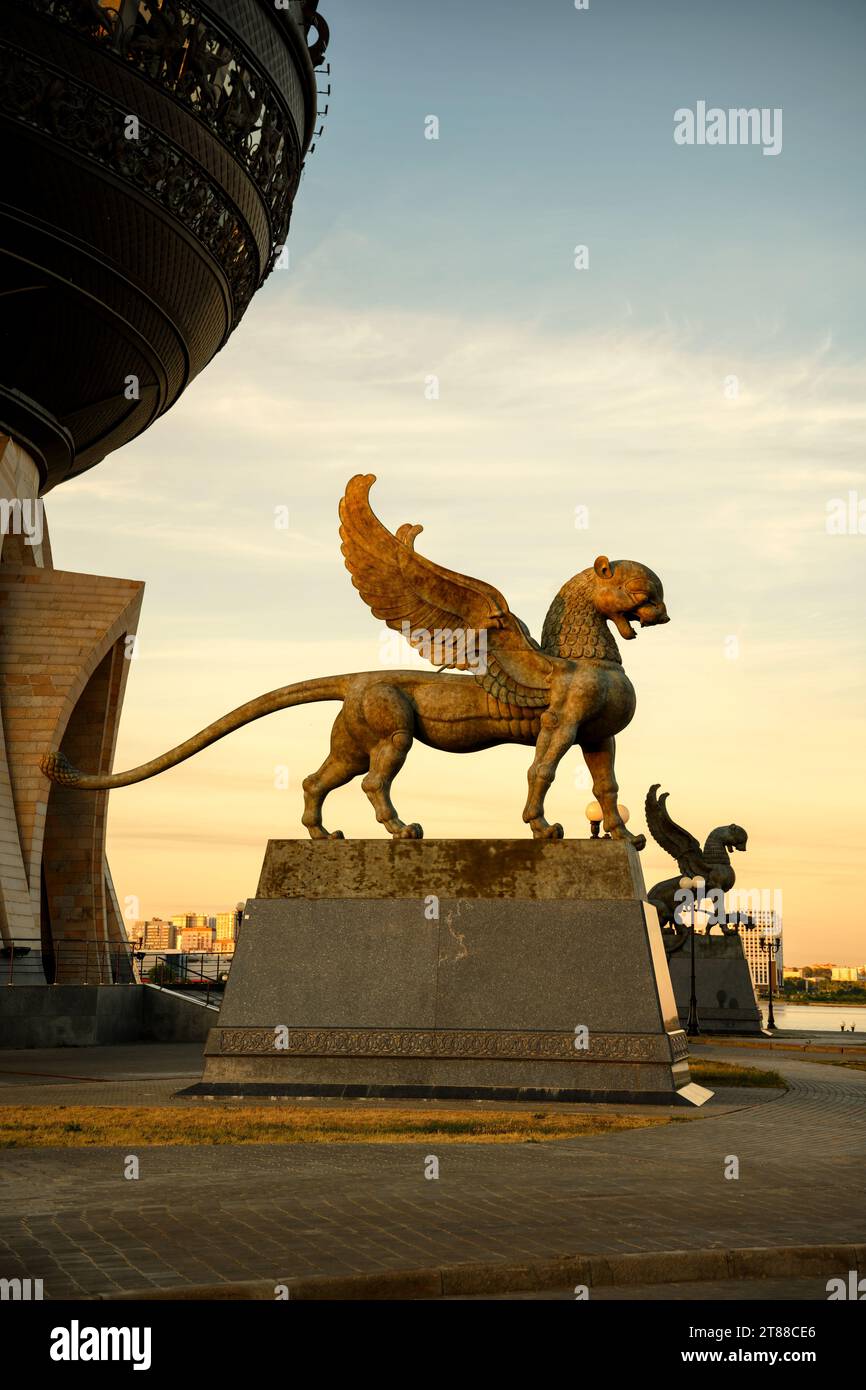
x=63, y=669
x=19, y=479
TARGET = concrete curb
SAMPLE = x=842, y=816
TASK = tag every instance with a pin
x=499, y=1277
x=773, y=1043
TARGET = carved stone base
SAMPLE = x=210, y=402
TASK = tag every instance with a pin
x=450, y=969
x=723, y=985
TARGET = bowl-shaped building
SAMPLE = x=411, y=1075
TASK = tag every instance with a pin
x=151, y=151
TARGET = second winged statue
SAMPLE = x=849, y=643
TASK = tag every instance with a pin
x=501, y=686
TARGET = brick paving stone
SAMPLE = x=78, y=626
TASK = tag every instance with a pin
x=208, y=1213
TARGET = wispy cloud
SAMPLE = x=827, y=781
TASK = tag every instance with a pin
x=725, y=497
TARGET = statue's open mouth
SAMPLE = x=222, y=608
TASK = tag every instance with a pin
x=647, y=617
x=624, y=627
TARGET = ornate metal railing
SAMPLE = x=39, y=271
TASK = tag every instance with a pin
x=87, y=122
x=179, y=47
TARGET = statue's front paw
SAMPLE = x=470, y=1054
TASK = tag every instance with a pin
x=621, y=832
x=548, y=832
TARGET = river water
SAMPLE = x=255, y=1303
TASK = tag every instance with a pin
x=818, y=1018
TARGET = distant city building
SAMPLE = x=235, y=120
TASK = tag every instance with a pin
x=191, y=932
x=826, y=973
x=197, y=938
x=191, y=919
x=157, y=935
x=227, y=927
x=765, y=924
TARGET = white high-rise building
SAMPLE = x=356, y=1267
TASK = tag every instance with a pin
x=766, y=924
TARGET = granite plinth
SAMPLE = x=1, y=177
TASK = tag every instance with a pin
x=723, y=985
x=532, y=869
x=472, y=968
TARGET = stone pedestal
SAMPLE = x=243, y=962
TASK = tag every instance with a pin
x=501, y=970
x=723, y=985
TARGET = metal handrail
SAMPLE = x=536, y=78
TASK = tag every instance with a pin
x=114, y=963
x=219, y=961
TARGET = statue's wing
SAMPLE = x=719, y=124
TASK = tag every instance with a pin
x=679, y=843
x=421, y=599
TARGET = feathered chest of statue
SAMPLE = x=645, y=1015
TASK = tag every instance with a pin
x=495, y=684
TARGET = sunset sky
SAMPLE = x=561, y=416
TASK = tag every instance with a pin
x=607, y=388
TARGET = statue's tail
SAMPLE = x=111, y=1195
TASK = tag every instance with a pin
x=58, y=767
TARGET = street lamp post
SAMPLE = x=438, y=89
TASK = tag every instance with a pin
x=595, y=816
x=769, y=946
x=693, y=886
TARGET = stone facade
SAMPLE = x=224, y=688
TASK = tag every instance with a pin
x=525, y=869
x=63, y=669
x=723, y=985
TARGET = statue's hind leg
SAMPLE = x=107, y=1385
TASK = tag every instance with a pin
x=390, y=718
x=385, y=762
x=599, y=758
x=345, y=761
x=556, y=735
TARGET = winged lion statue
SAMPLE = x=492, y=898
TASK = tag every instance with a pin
x=711, y=863
x=500, y=687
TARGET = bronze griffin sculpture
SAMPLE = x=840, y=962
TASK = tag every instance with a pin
x=569, y=689
x=712, y=864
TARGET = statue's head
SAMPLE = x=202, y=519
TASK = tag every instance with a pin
x=735, y=837
x=625, y=592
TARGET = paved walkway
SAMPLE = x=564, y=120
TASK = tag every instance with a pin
x=126, y=1074
x=205, y=1214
